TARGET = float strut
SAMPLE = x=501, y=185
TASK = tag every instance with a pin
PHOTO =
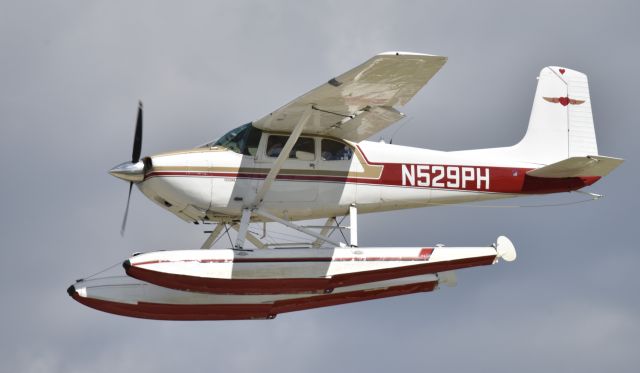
x=353, y=218
x=272, y=217
x=212, y=237
x=242, y=230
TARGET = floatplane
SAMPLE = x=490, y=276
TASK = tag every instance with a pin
x=310, y=160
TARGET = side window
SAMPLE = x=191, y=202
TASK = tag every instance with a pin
x=304, y=148
x=252, y=142
x=335, y=151
x=275, y=145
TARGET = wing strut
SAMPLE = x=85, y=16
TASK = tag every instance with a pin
x=284, y=155
x=271, y=176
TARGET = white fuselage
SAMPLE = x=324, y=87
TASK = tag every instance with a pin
x=215, y=183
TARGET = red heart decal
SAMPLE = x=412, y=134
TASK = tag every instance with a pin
x=562, y=71
x=564, y=101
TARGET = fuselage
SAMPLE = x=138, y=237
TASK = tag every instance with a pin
x=324, y=176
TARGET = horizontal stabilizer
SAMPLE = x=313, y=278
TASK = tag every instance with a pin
x=592, y=165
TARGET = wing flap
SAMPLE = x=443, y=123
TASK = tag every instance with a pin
x=363, y=97
x=366, y=122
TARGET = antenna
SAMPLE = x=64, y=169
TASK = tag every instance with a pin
x=399, y=128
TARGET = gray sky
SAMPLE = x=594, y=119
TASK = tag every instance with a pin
x=70, y=76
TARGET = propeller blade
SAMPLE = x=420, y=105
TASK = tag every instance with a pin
x=137, y=138
x=135, y=157
x=126, y=211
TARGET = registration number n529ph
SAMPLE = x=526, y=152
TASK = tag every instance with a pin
x=440, y=176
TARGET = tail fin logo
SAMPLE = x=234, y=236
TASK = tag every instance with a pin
x=564, y=101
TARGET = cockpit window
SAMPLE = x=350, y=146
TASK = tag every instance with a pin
x=243, y=140
x=335, y=151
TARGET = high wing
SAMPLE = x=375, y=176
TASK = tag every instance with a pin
x=360, y=102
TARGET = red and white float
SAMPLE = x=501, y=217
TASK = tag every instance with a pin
x=294, y=271
x=122, y=295
x=307, y=278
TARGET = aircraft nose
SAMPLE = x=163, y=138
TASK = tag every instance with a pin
x=129, y=171
x=71, y=290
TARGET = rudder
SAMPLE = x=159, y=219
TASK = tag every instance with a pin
x=561, y=122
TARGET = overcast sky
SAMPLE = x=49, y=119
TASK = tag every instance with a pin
x=70, y=77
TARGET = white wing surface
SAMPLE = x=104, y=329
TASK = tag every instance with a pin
x=360, y=102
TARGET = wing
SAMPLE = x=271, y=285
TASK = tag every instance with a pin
x=360, y=102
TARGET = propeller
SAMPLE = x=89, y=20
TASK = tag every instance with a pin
x=133, y=171
x=126, y=211
x=137, y=137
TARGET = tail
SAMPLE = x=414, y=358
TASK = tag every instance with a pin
x=561, y=136
x=561, y=123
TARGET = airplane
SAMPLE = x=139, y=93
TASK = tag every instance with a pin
x=309, y=160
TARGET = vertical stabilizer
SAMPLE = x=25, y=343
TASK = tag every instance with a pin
x=561, y=124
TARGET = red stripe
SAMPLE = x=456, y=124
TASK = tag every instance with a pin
x=502, y=180
x=183, y=261
x=243, y=175
x=160, y=311
x=297, y=285
x=424, y=256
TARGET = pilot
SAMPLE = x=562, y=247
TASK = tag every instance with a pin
x=274, y=150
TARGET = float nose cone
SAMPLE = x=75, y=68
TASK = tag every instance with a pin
x=129, y=171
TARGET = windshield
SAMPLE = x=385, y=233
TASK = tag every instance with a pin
x=243, y=140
